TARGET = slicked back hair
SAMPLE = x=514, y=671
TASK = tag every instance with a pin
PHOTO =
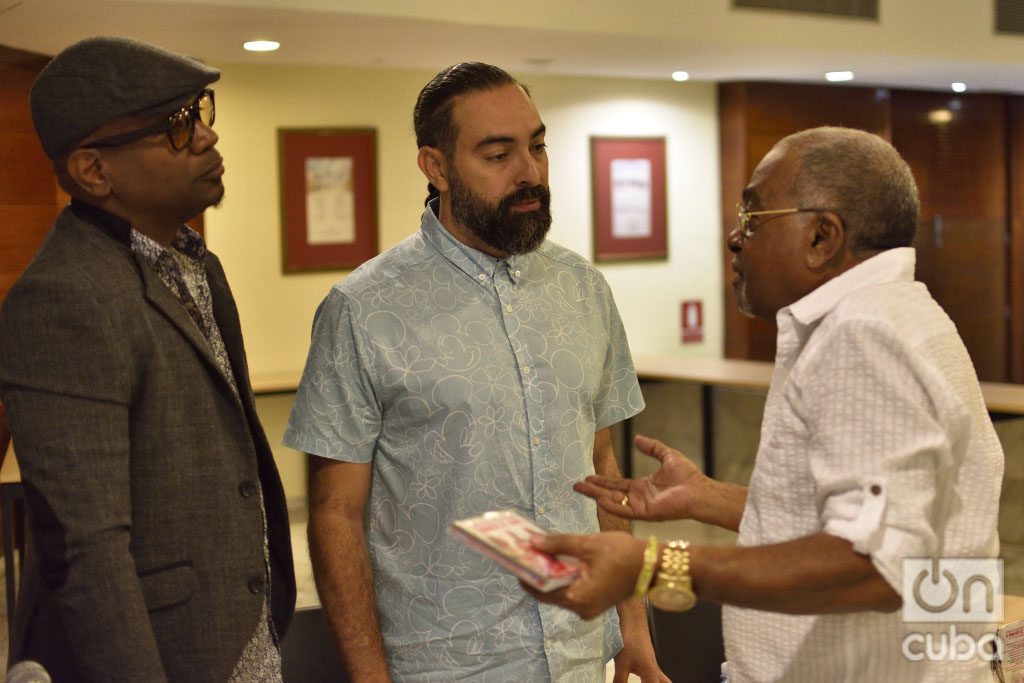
x=432, y=117
x=861, y=177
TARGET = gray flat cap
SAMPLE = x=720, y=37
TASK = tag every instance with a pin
x=101, y=79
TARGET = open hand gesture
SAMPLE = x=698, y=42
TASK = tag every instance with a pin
x=669, y=493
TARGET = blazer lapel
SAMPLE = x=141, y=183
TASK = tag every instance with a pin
x=226, y=316
x=160, y=297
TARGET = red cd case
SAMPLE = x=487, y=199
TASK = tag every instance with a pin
x=504, y=536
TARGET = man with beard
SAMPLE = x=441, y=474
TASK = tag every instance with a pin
x=472, y=367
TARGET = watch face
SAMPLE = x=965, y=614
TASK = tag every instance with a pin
x=672, y=598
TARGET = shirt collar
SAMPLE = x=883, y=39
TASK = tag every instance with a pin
x=187, y=241
x=190, y=243
x=892, y=265
x=474, y=263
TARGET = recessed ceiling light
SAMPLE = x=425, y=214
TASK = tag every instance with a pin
x=958, y=87
x=680, y=76
x=261, y=45
x=838, y=76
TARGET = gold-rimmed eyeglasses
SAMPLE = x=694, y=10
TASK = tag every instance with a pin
x=743, y=217
x=180, y=126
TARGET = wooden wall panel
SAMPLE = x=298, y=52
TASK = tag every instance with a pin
x=1015, y=215
x=26, y=176
x=956, y=146
x=732, y=135
x=28, y=189
x=780, y=109
x=27, y=184
x=959, y=164
x=970, y=170
x=16, y=251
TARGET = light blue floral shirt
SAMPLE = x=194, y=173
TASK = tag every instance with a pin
x=472, y=384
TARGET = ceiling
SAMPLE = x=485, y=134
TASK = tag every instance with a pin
x=913, y=44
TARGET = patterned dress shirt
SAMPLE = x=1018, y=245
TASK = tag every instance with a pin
x=182, y=269
x=875, y=431
x=472, y=384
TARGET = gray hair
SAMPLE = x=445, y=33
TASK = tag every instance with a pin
x=862, y=178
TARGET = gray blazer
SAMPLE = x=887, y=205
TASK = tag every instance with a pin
x=141, y=469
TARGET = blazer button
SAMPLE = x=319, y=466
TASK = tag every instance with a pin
x=247, y=488
x=256, y=584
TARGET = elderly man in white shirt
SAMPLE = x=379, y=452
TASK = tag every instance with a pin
x=875, y=445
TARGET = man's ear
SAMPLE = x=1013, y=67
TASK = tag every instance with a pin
x=434, y=164
x=828, y=240
x=86, y=168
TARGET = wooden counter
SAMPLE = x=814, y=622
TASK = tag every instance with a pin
x=720, y=372
x=1006, y=399
x=275, y=382
x=1002, y=400
x=709, y=374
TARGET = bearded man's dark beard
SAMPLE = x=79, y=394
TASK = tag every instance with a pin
x=508, y=231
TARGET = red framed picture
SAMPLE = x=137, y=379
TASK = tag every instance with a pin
x=629, y=189
x=328, y=197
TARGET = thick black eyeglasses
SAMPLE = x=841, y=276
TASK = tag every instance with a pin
x=179, y=126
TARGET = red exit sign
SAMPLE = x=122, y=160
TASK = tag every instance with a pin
x=691, y=319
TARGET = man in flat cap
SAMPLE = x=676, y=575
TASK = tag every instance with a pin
x=159, y=547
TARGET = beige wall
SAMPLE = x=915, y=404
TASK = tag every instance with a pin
x=277, y=309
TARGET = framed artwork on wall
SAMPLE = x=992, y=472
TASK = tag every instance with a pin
x=628, y=192
x=328, y=197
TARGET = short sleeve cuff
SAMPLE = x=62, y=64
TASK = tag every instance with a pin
x=327, y=449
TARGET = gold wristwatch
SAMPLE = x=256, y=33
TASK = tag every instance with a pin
x=673, y=586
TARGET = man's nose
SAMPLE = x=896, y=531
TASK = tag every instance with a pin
x=530, y=171
x=203, y=138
